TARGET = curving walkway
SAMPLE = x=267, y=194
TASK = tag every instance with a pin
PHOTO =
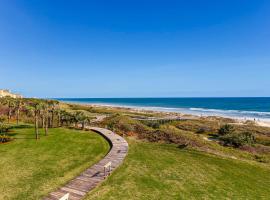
x=91, y=177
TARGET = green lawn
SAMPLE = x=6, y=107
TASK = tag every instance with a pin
x=30, y=169
x=160, y=171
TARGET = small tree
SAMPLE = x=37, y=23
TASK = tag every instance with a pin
x=226, y=129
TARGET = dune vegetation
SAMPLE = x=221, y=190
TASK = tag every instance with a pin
x=245, y=142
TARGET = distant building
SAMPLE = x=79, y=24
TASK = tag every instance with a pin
x=5, y=93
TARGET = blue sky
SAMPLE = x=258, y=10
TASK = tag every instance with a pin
x=72, y=48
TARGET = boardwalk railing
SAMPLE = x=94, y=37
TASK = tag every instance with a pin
x=94, y=175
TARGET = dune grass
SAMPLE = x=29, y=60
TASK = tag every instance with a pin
x=162, y=171
x=30, y=169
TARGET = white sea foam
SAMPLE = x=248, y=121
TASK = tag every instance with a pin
x=241, y=112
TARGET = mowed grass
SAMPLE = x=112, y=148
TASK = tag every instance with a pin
x=161, y=171
x=30, y=169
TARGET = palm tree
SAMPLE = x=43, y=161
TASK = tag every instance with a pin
x=52, y=107
x=58, y=112
x=10, y=104
x=63, y=117
x=66, y=118
x=62, y=114
x=46, y=118
x=80, y=117
x=18, y=105
x=35, y=105
x=84, y=119
x=77, y=116
x=44, y=115
x=2, y=125
x=70, y=118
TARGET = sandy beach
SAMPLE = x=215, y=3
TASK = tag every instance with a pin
x=171, y=114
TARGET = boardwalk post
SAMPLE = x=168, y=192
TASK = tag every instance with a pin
x=107, y=167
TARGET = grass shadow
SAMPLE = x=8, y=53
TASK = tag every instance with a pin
x=29, y=138
x=21, y=126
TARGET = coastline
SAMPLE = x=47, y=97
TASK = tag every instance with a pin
x=175, y=113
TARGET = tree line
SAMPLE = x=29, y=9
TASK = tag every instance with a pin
x=43, y=113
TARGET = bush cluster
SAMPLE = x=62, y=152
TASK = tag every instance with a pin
x=238, y=139
x=4, y=128
x=230, y=137
x=123, y=124
x=226, y=129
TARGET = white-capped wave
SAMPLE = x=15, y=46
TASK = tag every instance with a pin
x=231, y=111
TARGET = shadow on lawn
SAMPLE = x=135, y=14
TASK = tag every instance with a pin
x=21, y=126
x=17, y=135
x=21, y=136
x=18, y=138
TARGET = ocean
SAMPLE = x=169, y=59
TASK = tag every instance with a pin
x=246, y=107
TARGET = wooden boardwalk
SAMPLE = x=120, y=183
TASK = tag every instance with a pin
x=91, y=177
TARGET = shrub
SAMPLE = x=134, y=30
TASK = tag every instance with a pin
x=238, y=139
x=203, y=130
x=261, y=158
x=167, y=136
x=226, y=129
x=248, y=137
x=5, y=138
x=256, y=149
x=264, y=140
x=152, y=124
x=4, y=128
x=195, y=125
x=2, y=119
x=126, y=127
x=123, y=124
